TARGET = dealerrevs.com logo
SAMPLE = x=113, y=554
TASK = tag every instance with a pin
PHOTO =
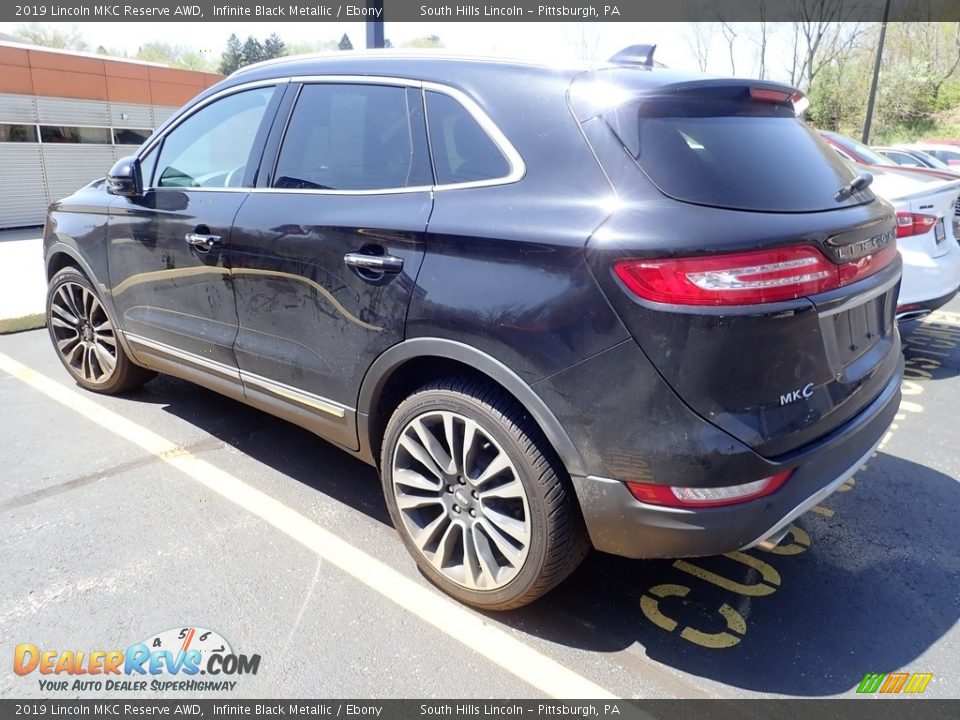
x=169, y=661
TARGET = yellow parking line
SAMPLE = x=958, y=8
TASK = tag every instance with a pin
x=474, y=631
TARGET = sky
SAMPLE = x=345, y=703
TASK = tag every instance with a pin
x=545, y=41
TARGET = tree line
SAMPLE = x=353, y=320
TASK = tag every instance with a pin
x=235, y=55
x=832, y=61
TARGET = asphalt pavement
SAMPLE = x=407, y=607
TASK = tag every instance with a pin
x=122, y=518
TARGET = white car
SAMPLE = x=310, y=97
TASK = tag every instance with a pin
x=927, y=237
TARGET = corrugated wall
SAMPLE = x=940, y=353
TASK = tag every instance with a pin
x=23, y=188
x=55, y=87
x=32, y=175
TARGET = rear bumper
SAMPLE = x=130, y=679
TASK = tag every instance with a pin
x=621, y=525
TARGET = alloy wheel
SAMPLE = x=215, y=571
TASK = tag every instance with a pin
x=461, y=500
x=83, y=334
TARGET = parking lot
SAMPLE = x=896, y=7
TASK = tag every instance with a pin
x=172, y=507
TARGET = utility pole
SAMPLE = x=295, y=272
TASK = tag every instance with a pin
x=375, y=27
x=876, y=75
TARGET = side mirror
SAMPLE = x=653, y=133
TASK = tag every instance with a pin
x=124, y=178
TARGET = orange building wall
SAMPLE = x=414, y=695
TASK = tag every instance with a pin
x=52, y=74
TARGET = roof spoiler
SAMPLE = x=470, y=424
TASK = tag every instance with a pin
x=635, y=55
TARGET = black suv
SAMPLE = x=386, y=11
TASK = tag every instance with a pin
x=620, y=306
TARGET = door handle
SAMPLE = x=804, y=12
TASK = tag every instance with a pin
x=202, y=241
x=374, y=263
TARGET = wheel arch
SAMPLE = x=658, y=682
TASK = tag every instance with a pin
x=60, y=255
x=429, y=358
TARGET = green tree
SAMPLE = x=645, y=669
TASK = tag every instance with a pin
x=252, y=51
x=345, y=43
x=178, y=56
x=312, y=46
x=53, y=35
x=427, y=41
x=232, y=57
x=273, y=47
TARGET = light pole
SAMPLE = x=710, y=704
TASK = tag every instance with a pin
x=876, y=75
x=375, y=27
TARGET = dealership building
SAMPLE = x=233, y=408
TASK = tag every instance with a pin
x=66, y=117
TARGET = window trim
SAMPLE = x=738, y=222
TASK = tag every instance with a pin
x=371, y=80
x=518, y=168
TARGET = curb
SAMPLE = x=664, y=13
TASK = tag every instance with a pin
x=19, y=324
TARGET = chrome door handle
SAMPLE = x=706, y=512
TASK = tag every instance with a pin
x=376, y=263
x=201, y=241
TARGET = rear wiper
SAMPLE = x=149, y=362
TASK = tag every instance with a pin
x=860, y=182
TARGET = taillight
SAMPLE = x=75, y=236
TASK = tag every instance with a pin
x=910, y=224
x=747, y=278
x=706, y=497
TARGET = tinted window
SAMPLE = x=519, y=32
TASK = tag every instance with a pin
x=129, y=136
x=903, y=159
x=18, y=133
x=56, y=134
x=211, y=148
x=354, y=137
x=949, y=157
x=718, y=147
x=860, y=150
x=462, y=150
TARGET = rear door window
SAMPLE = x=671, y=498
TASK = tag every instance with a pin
x=355, y=137
x=462, y=150
x=719, y=147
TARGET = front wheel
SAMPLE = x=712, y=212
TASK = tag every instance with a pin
x=478, y=497
x=85, y=338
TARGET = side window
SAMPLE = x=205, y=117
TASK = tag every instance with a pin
x=906, y=160
x=354, y=137
x=211, y=148
x=462, y=150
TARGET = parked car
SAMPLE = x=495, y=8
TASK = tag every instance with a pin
x=857, y=152
x=927, y=237
x=908, y=157
x=946, y=153
x=555, y=307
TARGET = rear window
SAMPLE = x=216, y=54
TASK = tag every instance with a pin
x=718, y=147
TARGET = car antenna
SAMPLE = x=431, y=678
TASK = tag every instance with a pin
x=635, y=55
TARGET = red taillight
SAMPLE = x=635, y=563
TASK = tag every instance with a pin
x=748, y=278
x=768, y=95
x=910, y=224
x=706, y=497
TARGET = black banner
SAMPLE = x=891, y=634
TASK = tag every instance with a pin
x=469, y=11
x=852, y=709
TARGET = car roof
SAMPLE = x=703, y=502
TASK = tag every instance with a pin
x=446, y=68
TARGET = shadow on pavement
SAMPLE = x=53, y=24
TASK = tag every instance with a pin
x=285, y=447
x=875, y=588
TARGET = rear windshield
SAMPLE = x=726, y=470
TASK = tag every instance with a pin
x=718, y=147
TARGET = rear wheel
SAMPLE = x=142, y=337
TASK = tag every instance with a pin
x=478, y=497
x=85, y=337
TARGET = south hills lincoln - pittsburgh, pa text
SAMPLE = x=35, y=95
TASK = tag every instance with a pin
x=587, y=11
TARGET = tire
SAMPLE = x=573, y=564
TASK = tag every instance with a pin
x=509, y=487
x=85, y=338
